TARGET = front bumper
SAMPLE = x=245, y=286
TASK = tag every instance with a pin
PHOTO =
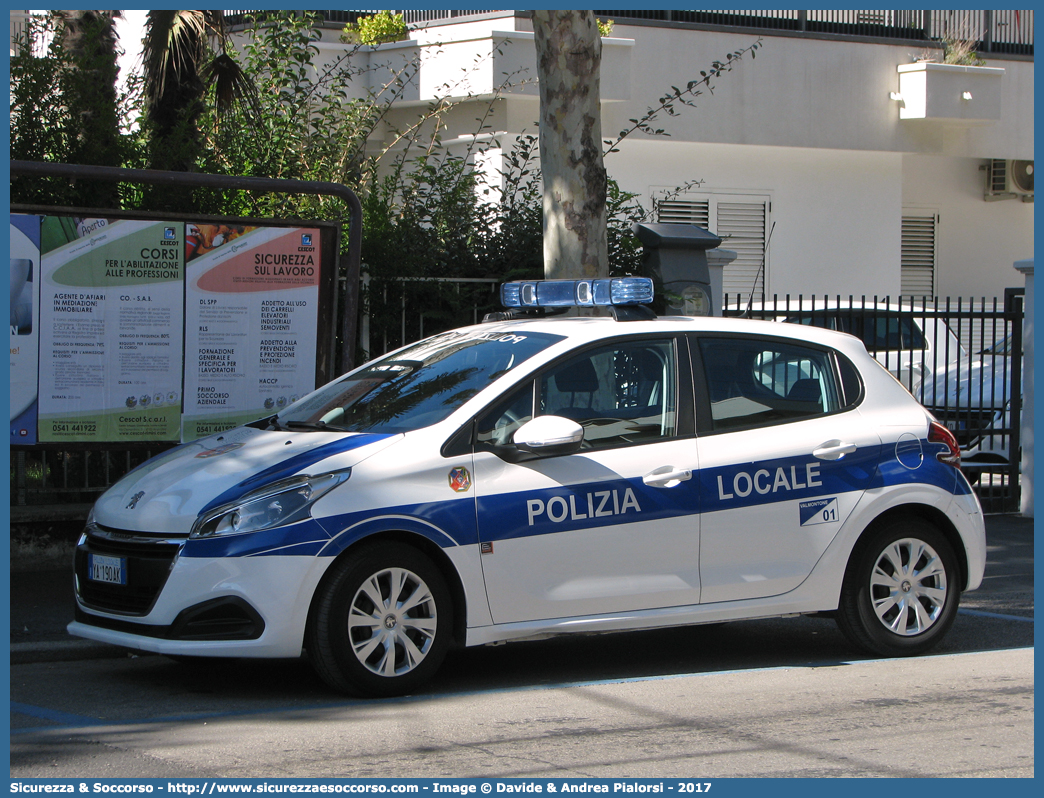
x=222, y=607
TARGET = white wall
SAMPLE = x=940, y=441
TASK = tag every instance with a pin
x=815, y=93
x=837, y=213
x=977, y=241
x=811, y=93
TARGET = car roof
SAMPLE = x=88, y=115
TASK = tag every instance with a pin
x=596, y=328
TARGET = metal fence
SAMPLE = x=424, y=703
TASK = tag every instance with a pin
x=47, y=477
x=961, y=358
x=238, y=17
x=402, y=310
x=993, y=32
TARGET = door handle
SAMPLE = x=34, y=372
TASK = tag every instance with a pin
x=833, y=450
x=667, y=477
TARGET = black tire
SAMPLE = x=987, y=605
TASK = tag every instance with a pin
x=388, y=650
x=901, y=590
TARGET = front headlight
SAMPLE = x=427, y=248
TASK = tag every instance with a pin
x=278, y=504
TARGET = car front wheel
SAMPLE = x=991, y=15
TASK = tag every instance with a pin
x=901, y=590
x=381, y=622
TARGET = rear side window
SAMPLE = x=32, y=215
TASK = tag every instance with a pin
x=879, y=330
x=883, y=330
x=754, y=382
x=851, y=384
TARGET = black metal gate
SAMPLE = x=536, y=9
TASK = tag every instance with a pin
x=962, y=359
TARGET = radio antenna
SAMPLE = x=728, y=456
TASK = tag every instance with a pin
x=761, y=270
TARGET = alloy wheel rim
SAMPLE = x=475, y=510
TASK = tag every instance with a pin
x=908, y=587
x=392, y=622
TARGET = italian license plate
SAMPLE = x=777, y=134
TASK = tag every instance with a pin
x=111, y=570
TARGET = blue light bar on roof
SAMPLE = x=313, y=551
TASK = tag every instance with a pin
x=577, y=293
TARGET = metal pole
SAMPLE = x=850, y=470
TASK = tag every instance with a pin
x=243, y=183
x=1015, y=311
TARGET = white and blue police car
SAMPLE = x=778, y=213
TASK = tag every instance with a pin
x=534, y=476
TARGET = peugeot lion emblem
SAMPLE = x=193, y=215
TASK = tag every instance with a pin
x=135, y=499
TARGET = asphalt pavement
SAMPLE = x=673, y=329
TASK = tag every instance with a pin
x=42, y=601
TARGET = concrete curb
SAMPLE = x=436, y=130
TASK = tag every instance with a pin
x=63, y=651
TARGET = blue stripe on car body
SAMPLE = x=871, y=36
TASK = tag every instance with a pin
x=584, y=505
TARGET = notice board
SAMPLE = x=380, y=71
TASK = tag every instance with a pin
x=159, y=330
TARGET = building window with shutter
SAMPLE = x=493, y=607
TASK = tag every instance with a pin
x=917, y=269
x=742, y=222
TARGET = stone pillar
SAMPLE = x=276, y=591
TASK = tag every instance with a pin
x=717, y=260
x=1026, y=267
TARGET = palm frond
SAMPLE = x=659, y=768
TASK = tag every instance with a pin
x=230, y=82
x=174, y=45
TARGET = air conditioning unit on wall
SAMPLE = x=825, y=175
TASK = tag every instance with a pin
x=1008, y=179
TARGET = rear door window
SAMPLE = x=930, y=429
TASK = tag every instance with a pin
x=753, y=382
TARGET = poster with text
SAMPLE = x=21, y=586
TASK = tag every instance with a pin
x=251, y=315
x=25, y=333
x=111, y=319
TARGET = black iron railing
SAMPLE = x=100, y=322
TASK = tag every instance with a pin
x=992, y=32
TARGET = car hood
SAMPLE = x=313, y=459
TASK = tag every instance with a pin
x=985, y=383
x=167, y=493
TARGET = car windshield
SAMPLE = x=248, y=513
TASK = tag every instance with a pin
x=417, y=386
x=880, y=329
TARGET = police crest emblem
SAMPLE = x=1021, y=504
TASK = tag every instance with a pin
x=460, y=480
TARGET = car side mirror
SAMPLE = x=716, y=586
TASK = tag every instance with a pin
x=549, y=436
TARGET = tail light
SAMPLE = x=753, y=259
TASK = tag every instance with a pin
x=937, y=433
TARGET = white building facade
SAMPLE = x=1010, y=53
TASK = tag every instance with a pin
x=877, y=173
x=19, y=20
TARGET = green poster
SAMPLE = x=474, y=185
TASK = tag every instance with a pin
x=111, y=339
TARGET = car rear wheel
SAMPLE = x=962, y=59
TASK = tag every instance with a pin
x=901, y=590
x=381, y=622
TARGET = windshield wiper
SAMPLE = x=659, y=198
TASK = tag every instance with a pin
x=315, y=426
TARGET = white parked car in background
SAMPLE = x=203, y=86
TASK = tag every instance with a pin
x=974, y=401
x=906, y=339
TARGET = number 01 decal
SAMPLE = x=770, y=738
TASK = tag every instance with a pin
x=820, y=511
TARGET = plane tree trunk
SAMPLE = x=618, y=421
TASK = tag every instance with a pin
x=569, y=56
